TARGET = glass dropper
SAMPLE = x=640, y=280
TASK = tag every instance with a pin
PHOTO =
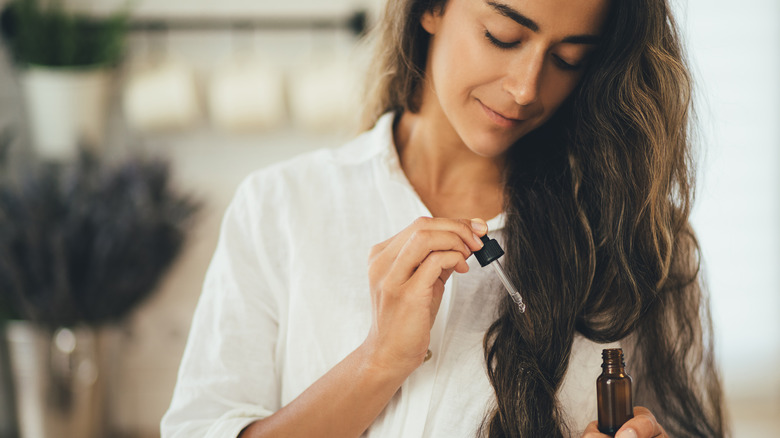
x=489, y=255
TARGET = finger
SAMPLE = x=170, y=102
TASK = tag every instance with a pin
x=592, y=431
x=462, y=227
x=384, y=255
x=479, y=226
x=432, y=275
x=421, y=242
x=643, y=425
x=420, y=245
x=432, y=268
x=445, y=275
x=379, y=247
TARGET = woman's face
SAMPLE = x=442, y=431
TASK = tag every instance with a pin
x=498, y=69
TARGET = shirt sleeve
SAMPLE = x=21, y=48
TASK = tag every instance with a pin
x=228, y=377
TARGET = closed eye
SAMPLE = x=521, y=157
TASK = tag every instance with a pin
x=500, y=44
x=565, y=65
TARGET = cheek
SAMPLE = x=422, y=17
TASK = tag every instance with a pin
x=459, y=65
x=557, y=90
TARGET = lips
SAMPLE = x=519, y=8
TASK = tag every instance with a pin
x=498, y=118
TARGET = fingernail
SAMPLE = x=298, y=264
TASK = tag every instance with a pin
x=478, y=226
x=628, y=433
x=478, y=240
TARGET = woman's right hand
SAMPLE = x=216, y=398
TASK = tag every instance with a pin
x=407, y=274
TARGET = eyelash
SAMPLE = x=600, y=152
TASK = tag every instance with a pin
x=506, y=46
x=566, y=66
x=498, y=43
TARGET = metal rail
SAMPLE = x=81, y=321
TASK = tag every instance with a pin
x=356, y=23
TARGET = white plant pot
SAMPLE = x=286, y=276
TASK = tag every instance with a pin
x=66, y=108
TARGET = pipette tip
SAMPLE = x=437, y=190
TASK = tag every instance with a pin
x=489, y=255
x=516, y=297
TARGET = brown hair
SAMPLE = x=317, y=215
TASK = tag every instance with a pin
x=597, y=233
x=398, y=67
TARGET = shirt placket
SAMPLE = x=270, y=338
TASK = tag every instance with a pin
x=403, y=206
x=419, y=386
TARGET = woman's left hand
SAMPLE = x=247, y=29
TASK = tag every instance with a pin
x=643, y=425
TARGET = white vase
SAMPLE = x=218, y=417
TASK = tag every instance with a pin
x=246, y=94
x=161, y=96
x=66, y=108
x=63, y=379
x=8, y=426
x=324, y=96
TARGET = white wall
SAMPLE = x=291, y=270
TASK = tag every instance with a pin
x=735, y=49
x=735, y=52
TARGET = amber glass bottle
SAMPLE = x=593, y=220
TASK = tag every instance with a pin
x=613, y=391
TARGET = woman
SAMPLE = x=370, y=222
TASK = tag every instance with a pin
x=564, y=122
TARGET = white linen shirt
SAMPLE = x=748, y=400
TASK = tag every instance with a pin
x=286, y=297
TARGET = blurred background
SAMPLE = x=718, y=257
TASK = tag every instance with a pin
x=219, y=89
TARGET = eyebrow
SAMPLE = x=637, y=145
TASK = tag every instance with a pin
x=524, y=21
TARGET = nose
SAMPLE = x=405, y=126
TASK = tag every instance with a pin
x=524, y=77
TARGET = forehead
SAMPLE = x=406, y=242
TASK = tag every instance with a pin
x=569, y=17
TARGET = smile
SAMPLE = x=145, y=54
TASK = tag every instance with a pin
x=498, y=118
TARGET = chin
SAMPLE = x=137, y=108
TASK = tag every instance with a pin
x=489, y=149
x=491, y=145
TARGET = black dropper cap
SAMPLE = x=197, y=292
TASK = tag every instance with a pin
x=490, y=252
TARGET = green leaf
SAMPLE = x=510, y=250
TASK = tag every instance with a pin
x=49, y=35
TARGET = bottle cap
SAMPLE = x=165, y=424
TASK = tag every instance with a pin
x=490, y=252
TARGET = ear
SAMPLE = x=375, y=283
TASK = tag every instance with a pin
x=430, y=20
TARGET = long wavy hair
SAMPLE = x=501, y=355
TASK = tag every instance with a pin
x=597, y=203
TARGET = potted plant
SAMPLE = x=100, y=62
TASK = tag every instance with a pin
x=82, y=243
x=66, y=61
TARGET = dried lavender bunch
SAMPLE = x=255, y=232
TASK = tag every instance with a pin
x=88, y=241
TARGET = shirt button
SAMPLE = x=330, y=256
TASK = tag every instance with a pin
x=428, y=355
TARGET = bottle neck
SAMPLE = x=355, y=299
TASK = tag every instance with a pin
x=614, y=368
x=613, y=361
